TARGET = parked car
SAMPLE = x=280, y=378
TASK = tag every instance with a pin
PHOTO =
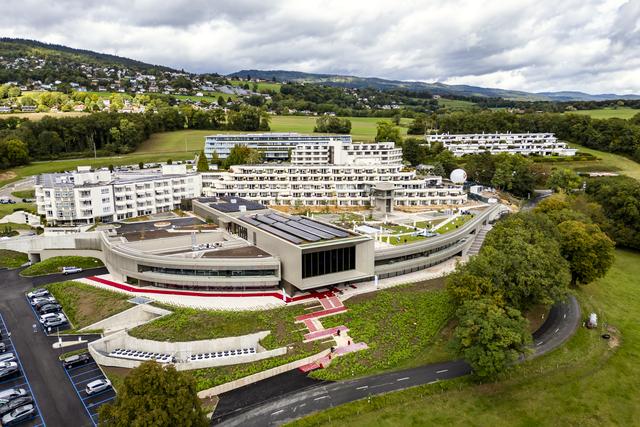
x=19, y=415
x=53, y=316
x=76, y=360
x=54, y=323
x=7, y=357
x=3, y=347
x=39, y=305
x=8, y=369
x=14, y=404
x=71, y=270
x=40, y=292
x=10, y=394
x=50, y=308
x=97, y=386
x=47, y=300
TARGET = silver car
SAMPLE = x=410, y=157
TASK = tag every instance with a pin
x=18, y=415
x=7, y=357
x=97, y=386
x=8, y=368
x=10, y=394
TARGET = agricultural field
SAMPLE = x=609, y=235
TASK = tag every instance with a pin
x=456, y=104
x=398, y=325
x=261, y=86
x=587, y=382
x=608, y=113
x=39, y=116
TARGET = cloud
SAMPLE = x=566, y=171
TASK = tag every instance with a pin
x=589, y=45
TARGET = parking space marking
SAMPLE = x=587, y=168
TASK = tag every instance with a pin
x=23, y=374
x=84, y=373
x=89, y=380
x=101, y=402
x=41, y=326
x=90, y=406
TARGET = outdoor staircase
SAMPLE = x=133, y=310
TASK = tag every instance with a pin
x=477, y=243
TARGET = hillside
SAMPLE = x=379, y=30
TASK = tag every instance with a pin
x=434, y=88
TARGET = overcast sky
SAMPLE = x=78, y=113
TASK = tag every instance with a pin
x=533, y=45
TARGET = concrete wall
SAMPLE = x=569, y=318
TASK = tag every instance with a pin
x=250, y=379
x=182, y=350
x=135, y=316
x=21, y=217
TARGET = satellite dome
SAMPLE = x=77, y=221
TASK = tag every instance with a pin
x=458, y=176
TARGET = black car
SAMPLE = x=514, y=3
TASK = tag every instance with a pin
x=15, y=403
x=50, y=308
x=41, y=304
x=76, y=360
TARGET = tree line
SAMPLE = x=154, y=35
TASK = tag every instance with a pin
x=111, y=133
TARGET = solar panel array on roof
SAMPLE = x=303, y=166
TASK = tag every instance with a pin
x=294, y=229
x=232, y=204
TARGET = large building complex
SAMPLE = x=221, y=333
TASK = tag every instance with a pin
x=274, y=146
x=335, y=173
x=539, y=144
x=84, y=196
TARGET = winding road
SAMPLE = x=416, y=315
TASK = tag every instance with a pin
x=242, y=407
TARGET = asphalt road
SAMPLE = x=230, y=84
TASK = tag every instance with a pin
x=244, y=407
x=56, y=397
x=23, y=184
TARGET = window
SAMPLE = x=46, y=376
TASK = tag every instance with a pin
x=328, y=262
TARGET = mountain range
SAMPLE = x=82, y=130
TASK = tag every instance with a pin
x=62, y=58
x=434, y=88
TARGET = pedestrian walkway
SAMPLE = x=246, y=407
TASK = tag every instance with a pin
x=477, y=243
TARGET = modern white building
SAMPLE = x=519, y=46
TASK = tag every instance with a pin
x=82, y=196
x=539, y=144
x=335, y=173
x=274, y=146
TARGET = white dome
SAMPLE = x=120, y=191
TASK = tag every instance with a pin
x=458, y=176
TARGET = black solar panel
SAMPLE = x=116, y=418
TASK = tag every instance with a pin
x=280, y=233
x=331, y=230
x=315, y=231
x=299, y=233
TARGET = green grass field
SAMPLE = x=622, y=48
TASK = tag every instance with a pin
x=55, y=264
x=609, y=113
x=586, y=382
x=261, y=86
x=11, y=208
x=456, y=104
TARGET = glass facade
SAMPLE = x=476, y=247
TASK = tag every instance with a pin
x=205, y=273
x=327, y=262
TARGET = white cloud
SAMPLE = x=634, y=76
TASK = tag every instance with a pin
x=534, y=45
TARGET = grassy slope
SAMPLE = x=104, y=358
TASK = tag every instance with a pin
x=11, y=208
x=609, y=113
x=582, y=383
x=190, y=324
x=397, y=325
x=12, y=259
x=24, y=194
x=55, y=264
x=85, y=304
x=456, y=104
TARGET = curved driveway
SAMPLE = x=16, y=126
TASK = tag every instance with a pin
x=562, y=322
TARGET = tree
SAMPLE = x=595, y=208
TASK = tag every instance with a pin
x=169, y=161
x=590, y=252
x=13, y=152
x=413, y=151
x=203, y=164
x=447, y=160
x=330, y=124
x=490, y=337
x=419, y=125
x=141, y=165
x=480, y=167
x=388, y=132
x=243, y=155
x=155, y=396
x=564, y=180
x=513, y=173
x=215, y=159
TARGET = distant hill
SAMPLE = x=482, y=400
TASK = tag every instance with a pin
x=434, y=88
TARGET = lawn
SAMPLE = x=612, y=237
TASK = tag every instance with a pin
x=24, y=194
x=85, y=304
x=608, y=113
x=11, y=208
x=261, y=85
x=587, y=382
x=398, y=325
x=12, y=259
x=186, y=324
x=55, y=264
x=608, y=162
x=452, y=225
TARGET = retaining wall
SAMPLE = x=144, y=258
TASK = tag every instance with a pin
x=135, y=316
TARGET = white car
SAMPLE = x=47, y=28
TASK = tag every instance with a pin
x=97, y=386
x=71, y=270
x=52, y=316
x=7, y=357
x=36, y=293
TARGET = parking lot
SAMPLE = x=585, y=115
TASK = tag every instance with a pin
x=81, y=376
x=18, y=380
